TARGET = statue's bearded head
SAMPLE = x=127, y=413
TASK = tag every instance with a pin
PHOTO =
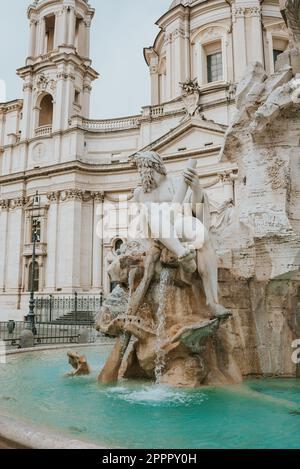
x=148, y=163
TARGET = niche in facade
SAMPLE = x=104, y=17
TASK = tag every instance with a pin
x=46, y=111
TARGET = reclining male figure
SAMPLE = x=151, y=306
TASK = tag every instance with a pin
x=159, y=195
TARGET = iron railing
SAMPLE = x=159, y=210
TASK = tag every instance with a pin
x=47, y=334
x=74, y=310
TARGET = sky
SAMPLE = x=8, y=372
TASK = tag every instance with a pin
x=120, y=30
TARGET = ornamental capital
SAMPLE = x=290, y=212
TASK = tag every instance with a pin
x=53, y=196
x=98, y=196
x=4, y=204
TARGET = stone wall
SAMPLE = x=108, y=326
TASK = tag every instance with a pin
x=265, y=322
x=260, y=250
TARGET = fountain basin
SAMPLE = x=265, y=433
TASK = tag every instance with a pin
x=262, y=413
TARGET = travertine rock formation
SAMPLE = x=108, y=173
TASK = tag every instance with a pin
x=261, y=248
x=177, y=342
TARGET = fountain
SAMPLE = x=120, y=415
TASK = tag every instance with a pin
x=198, y=303
x=176, y=330
x=167, y=298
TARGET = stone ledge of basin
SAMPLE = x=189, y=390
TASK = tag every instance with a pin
x=55, y=347
x=30, y=437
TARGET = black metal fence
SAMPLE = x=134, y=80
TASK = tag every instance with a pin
x=46, y=334
x=74, y=310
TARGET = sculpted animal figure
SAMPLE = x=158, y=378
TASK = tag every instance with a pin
x=79, y=363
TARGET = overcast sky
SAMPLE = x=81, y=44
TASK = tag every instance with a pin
x=120, y=30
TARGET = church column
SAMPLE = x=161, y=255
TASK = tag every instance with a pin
x=72, y=24
x=27, y=106
x=87, y=88
x=15, y=240
x=32, y=41
x=87, y=24
x=178, y=60
x=81, y=46
x=239, y=42
x=256, y=45
x=69, y=255
x=199, y=63
x=69, y=97
x=187, y=48
x=154, y=81
x=59, y=100
x=52, y=241
x=97, y=256
x=4, y=213
x=57, y=26
x=225, y=57
x=169, y=67
x=64, y=32
x=41, y=36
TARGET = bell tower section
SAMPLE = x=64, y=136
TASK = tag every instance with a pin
x=58, y=74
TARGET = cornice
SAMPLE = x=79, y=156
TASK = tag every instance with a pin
x=55, y=58
x=11, y=106
x=45, y=3
x=180, y=11
x=223, y=173
x=86, y=168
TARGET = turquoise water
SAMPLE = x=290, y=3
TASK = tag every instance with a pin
x=258, y=414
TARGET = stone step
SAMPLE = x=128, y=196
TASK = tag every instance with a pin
x=79, y=317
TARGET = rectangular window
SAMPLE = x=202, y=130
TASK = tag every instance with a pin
x=214, y=67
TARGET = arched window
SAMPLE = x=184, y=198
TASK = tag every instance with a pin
x=35, y=279
x=46, y=111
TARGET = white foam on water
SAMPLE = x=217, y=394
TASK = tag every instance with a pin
x=155, y=394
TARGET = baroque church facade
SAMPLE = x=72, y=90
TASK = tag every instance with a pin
x=79, y=166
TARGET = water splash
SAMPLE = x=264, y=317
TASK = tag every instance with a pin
x=154, y=395
x=159, y=351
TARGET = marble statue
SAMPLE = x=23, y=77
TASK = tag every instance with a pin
x=165, y=311
x=169, y=197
